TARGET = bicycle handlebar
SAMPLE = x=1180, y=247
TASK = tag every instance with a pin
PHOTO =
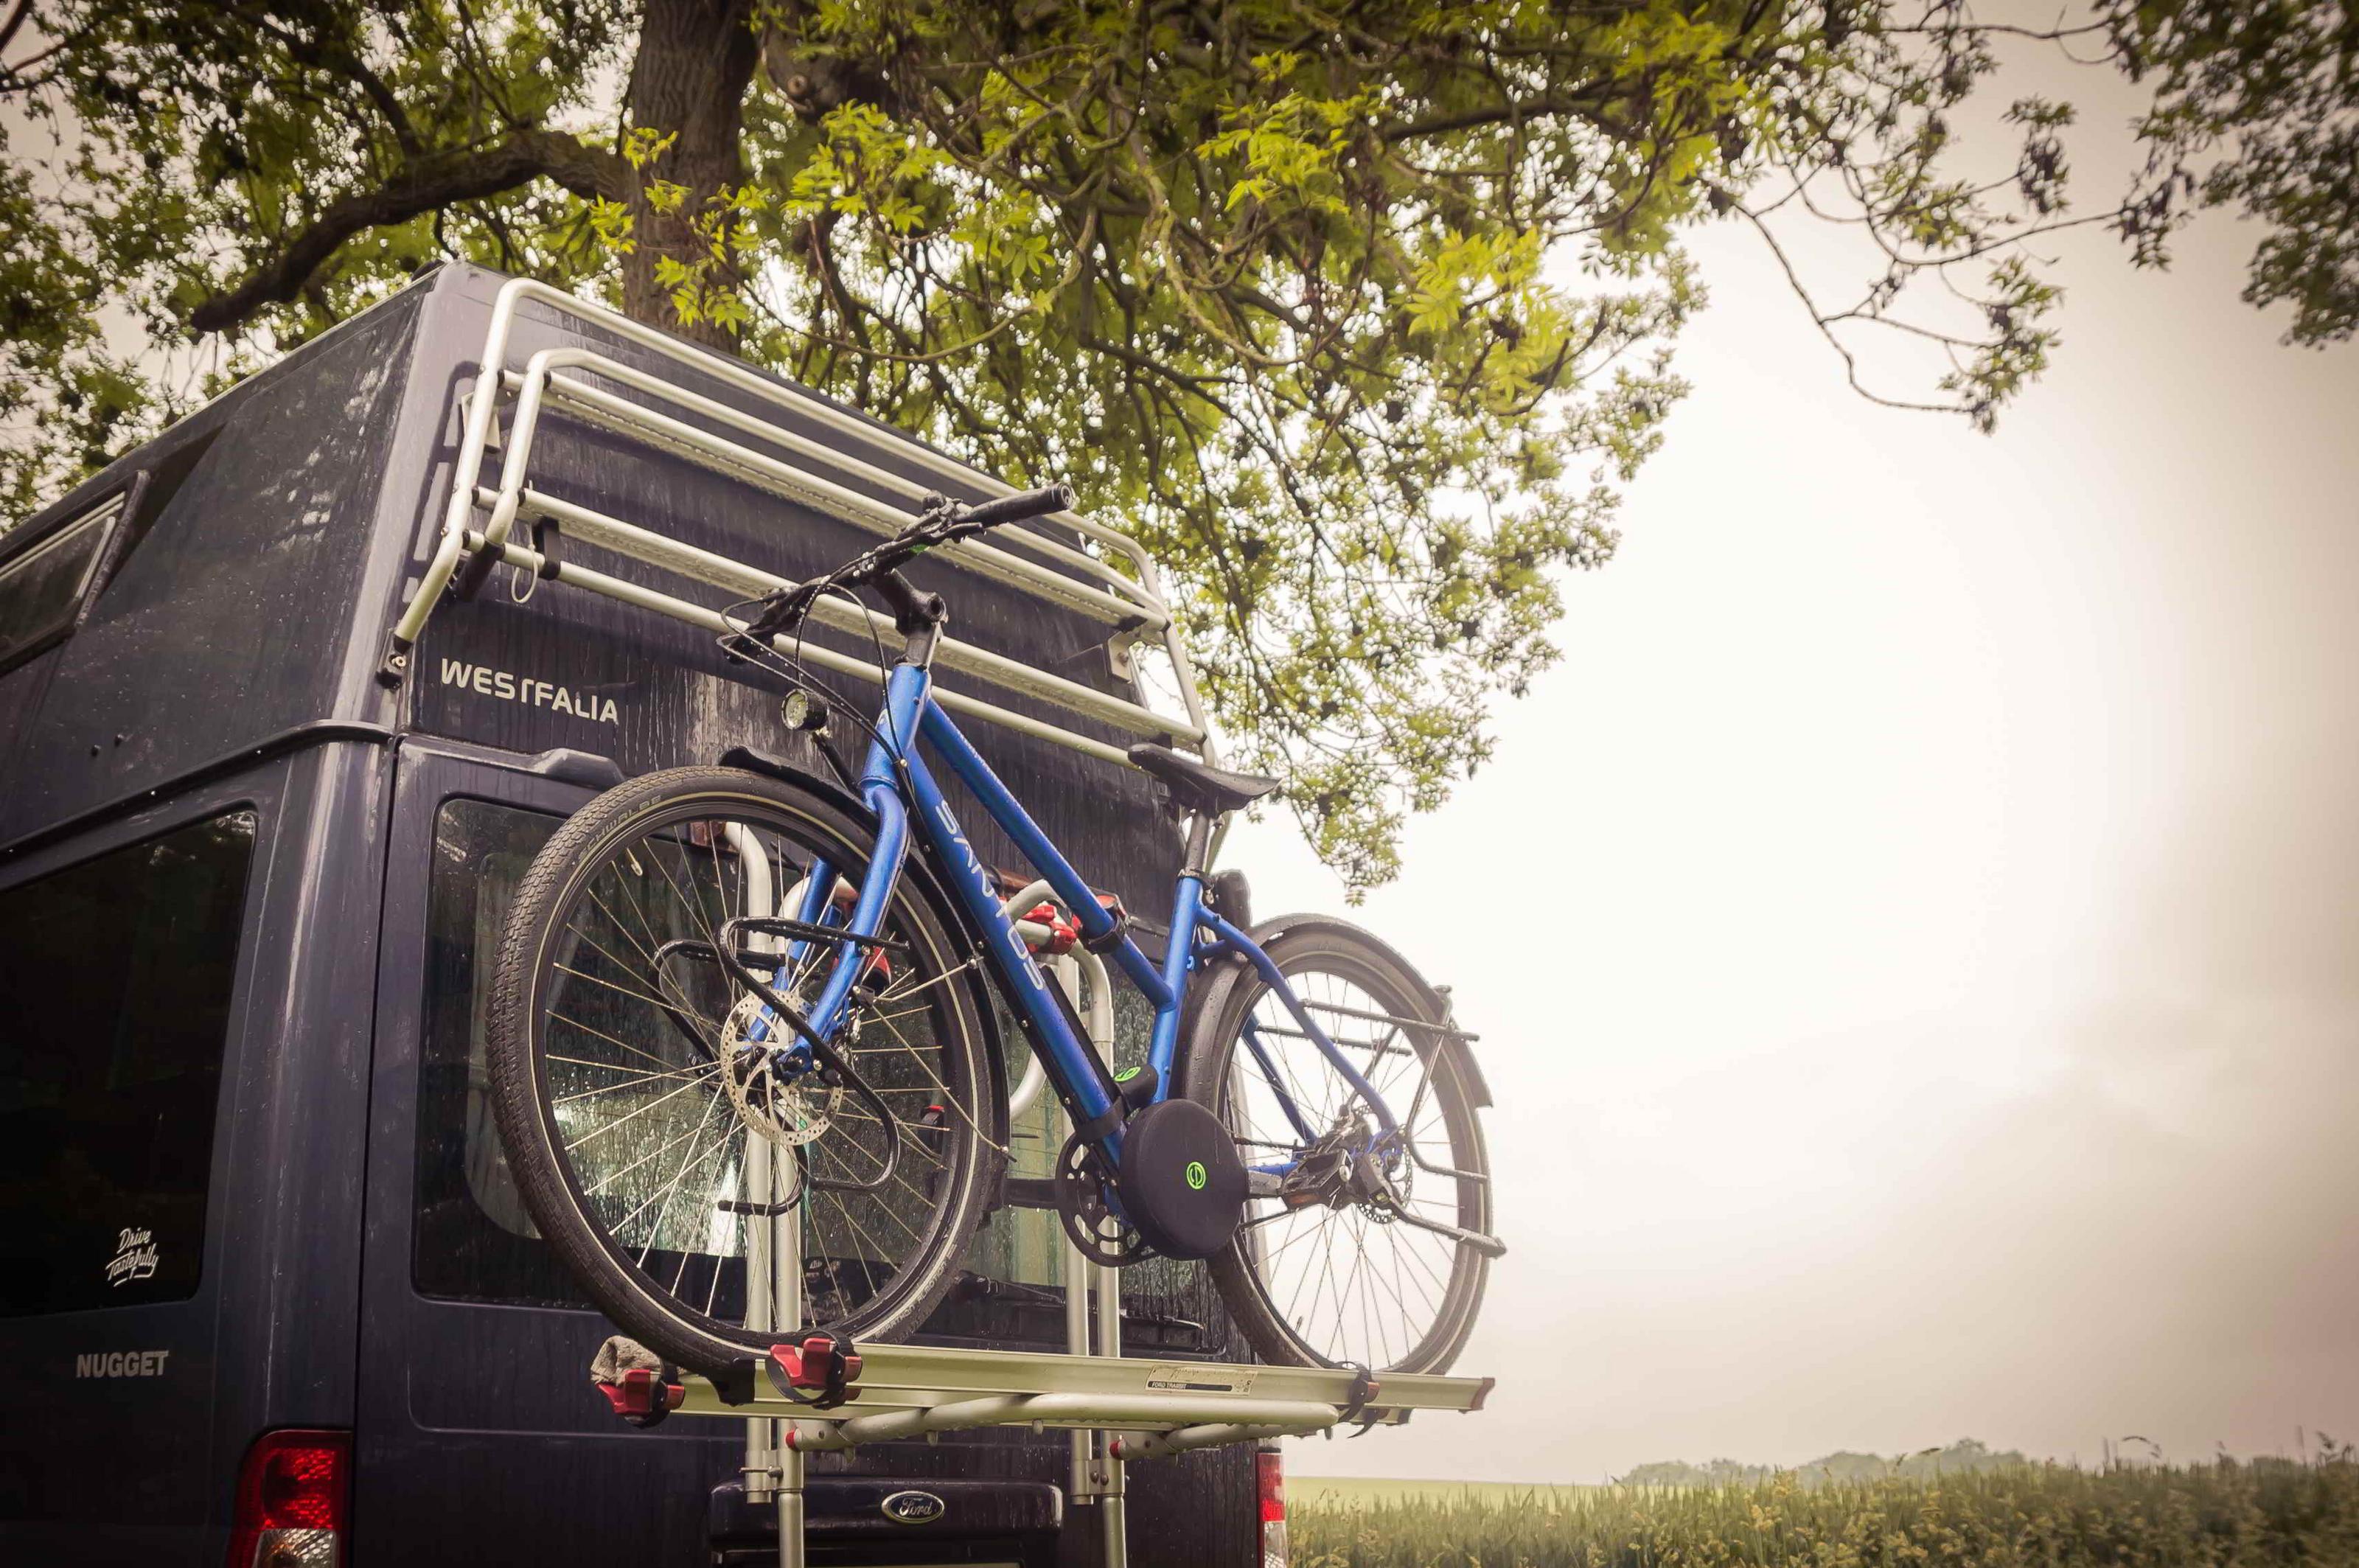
x=1014, y=508
x=942, y=521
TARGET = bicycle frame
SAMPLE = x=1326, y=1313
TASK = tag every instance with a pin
x=1198, y=933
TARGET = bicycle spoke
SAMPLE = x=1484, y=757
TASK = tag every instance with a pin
x=605, y=1128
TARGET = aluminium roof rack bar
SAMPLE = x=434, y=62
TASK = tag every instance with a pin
x=743, y=581
x=577, y=576
x=1123, y=603
x=1131, y=603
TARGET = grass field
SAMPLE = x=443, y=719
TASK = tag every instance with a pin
x=1333, y=1491
x=2262, y=1514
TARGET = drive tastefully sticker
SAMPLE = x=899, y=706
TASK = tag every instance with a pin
x=136, y=1256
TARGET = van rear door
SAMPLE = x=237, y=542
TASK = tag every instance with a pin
x=480, y=1439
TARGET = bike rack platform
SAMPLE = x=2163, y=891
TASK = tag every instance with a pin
x=909, y=1390
x=1138, y=1408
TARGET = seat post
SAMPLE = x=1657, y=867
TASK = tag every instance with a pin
x=1199, y=844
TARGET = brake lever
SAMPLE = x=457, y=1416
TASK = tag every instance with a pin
x=940, y=521
x=785, y=610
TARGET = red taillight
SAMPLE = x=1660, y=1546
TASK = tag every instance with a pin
x=1269, y=1472
x=293, y=1494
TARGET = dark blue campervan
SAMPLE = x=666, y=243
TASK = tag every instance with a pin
x=266, y=1292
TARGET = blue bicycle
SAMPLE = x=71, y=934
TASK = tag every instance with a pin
x=739, y=1037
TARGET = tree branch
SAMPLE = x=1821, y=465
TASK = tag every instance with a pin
x=426, y=184
x=1490, y=115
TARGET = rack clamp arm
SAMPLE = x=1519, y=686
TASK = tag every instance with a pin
x=822, y=1371
x=642, y=1387
x=1365, y=1386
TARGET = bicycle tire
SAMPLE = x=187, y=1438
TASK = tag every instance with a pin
x=617, y=822
x=1317, y=945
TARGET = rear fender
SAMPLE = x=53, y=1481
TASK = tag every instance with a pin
x=1209, y=991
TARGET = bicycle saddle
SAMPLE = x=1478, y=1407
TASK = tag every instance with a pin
x=1198, y=786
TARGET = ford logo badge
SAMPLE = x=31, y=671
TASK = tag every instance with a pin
x=914, y=1507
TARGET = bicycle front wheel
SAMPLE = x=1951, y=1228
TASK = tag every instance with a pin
x=713, y=1191
x=1328, y=1267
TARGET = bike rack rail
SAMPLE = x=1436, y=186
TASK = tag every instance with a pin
x=1121, y=1410
x=1105, y=575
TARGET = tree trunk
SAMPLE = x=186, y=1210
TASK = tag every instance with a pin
x=695, y=62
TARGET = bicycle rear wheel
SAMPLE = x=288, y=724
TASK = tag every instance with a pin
x=1331, y=1270
x=694, y=1174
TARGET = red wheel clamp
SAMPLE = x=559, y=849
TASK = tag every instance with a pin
x=643, y=1396
x=825, y=1363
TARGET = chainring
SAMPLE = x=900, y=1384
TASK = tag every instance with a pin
x=1092, y=1225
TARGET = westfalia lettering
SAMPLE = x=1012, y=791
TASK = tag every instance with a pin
x=973, y=867
x=486, y=681
x=121, y=1364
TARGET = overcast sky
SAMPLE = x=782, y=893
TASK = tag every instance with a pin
x=1912, y=930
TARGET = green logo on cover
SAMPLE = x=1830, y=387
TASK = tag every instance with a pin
x=1196, y=1174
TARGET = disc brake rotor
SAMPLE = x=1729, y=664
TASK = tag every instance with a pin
x=790, y=1109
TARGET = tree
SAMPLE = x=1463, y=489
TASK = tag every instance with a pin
x=1357, y=312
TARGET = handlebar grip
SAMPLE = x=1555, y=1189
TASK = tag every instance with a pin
x=1016, y=508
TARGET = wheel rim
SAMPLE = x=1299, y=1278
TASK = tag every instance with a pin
x=1345, y=1281
x=646, y=1077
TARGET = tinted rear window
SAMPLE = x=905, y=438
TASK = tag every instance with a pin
x=118, y=975
x=473, y=1239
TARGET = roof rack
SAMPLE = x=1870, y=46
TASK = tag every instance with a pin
x=1109, y=577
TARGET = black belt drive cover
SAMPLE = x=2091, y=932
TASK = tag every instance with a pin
x=1182, y=1183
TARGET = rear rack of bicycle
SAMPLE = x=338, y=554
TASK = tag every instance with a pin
x=1075, y=562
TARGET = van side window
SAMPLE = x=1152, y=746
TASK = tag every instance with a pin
x=43, y=586
x=118, y=973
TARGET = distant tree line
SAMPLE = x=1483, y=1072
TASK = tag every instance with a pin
x=1965, y=1457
